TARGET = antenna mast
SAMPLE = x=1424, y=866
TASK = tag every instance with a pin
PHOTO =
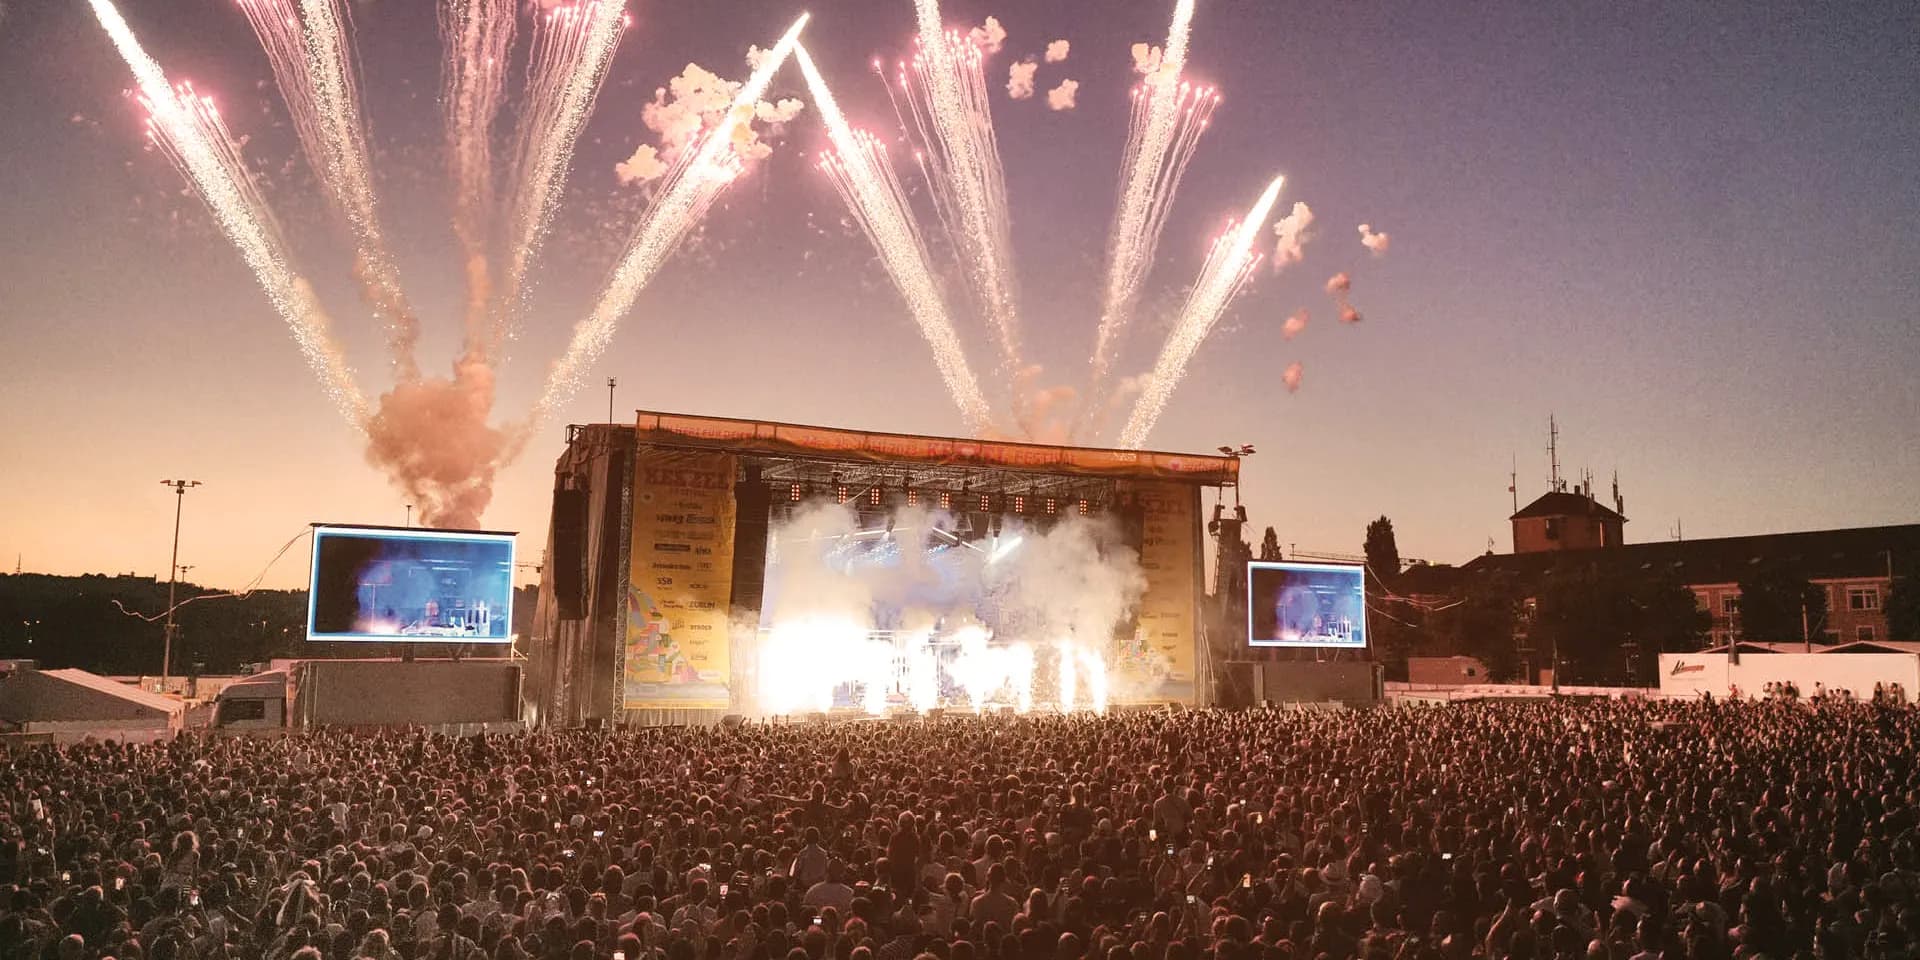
x=1554, y=482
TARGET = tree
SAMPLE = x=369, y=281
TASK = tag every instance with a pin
x=1903, y=604
x=1383, y=555
x=1600, y=626
x=1772, y=598
x=1480, y=624
x=1270, y=546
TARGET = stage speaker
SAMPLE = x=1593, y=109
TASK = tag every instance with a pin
x=569, y=560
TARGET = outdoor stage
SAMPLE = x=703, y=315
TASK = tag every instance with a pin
x=704, y=566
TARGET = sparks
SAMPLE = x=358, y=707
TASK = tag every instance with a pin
x=191, y=133
x=1226, y=272
x=865, y=178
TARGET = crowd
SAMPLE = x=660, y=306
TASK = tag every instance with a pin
x=1511, y=831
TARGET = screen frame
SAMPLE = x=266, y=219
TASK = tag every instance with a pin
x=1310, y=566
x=321, y=530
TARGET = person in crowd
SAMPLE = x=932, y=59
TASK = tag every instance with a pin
x=1707, y=830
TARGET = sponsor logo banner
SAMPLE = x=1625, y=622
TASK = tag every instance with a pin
x=681, y=581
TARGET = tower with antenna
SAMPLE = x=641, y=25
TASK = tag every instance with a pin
x=1562, y=520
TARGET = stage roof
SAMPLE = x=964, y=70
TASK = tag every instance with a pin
x=788, y=440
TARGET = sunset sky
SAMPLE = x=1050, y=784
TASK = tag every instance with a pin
x=1690, y=231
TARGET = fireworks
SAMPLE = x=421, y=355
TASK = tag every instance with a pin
x=686, y=192
x=312, y=62
x=572, y=46
x=189, y=130
x=945, y=93
x=477, y=35
x=1227, y=270
x=865, y=178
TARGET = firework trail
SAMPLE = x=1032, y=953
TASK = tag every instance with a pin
x=866, y=181
x=1228, y=267
x=945, y=92
x=192, y=134
x=572, y=47
x=685, y=193
x=1168, y=117
x=312, y=62
x=478, y=33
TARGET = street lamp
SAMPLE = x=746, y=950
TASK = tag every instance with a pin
x=173, y=573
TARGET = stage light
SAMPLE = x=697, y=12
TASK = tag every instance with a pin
x=1052, y=506
x=841, y=493
x=1019, y=504
x=946, y=500
x=1002, y=548
x=986, y=503
x=1083, y=508
x=873, y=496
x=913, y=497
x=793, y=492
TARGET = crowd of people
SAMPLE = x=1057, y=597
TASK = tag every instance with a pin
x=1512, y=831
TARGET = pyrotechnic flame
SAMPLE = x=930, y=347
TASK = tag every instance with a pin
x=312, y=61
x=1168, y=117
x=573, y=45
x=1227, y=270
x=686, y=193
x=861, y=171
x=947, y=107
x=208, y=158
x=478, y=34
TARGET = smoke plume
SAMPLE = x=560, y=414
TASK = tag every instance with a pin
x=1338, y=286
x=1020, y=79
x=431, y=437
x=1057, y=51
x=989, y=36
x=697, y=100
x=1063, y=96
x=1295, y=324
x=1376, y=242
x=1291, y=377
x=644, y=165
x=1146, y=59
x=1292, y=231
x=1044, y=414
x=994, y=616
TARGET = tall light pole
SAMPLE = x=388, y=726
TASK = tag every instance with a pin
x=173, y=574
x=409, y=514
x=611, y=383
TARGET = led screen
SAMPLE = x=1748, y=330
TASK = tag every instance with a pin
x=421, y=586
x=1306, y=605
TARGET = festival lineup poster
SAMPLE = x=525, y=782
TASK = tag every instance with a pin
x=681, y=588
x=1159, y=663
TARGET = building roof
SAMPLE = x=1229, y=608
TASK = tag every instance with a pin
x=1821, y=554
x=1559, y=503
x=114, y=688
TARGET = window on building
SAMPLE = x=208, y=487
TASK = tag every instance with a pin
x=1730, y=605
x=1553, y=528
x=1863, y=598
x=1470, y=671
x=1863, y=632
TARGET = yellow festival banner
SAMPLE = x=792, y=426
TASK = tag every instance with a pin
x=1159, y=663
x=681, y=588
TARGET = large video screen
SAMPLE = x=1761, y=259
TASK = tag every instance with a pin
x=1306, y=605
x=410, y=585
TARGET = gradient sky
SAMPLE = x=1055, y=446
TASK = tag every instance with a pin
x=1687, y=229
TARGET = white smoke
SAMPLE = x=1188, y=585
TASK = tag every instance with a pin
x=1338, y=287
x=1146, y=59
x=1044, y=414
x=1020, y=79
x=782, y=111
x=644, y=165
x=754, y=56
x=1295, y=324
x=871, y=606
x=1292, y=231
x=698, y=100
x=1057, y=51
x=1063, y=96
x=1376, y=242
x=989, y=36
x=1291, y=377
